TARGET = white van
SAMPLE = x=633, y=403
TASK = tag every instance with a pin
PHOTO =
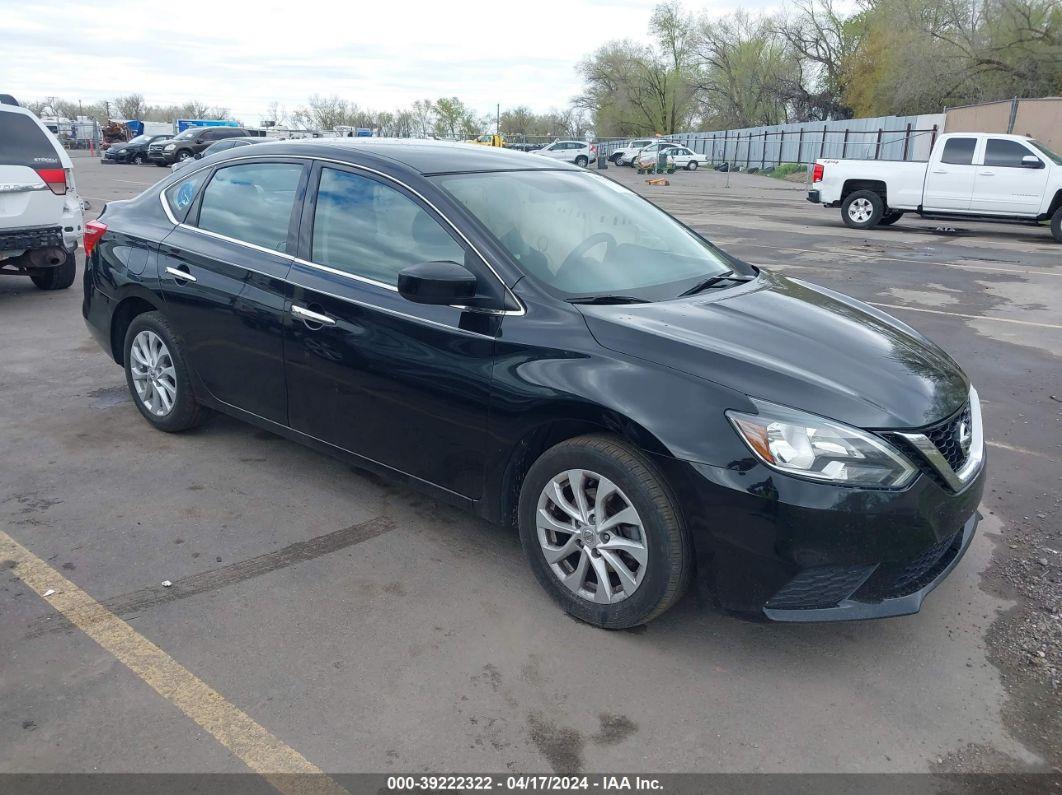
x=40, y=212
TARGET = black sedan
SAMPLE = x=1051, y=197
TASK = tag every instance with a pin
x=132, y=151
x=540, y=345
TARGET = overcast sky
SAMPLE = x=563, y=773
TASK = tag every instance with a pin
x=243, y=55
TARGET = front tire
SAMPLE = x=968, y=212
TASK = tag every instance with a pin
x=157, y=376
x=183, y=155
x=137, y=160
x=603, y=533
x=862, y=209
x=1056, y=225
x=58, y=278
x=692, y=165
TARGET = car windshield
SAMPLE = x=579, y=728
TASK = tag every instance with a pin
x=586, y=236
x=191, y=132
x=140, y=139
x=1053, y=156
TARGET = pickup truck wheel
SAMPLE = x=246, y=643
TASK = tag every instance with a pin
x=862, y=209
x=1056, y=225
x=58, y=278
x=891, y=217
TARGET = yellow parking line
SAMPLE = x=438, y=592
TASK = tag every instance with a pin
x=282, y=766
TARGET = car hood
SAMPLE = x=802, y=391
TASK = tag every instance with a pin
x=796, y=344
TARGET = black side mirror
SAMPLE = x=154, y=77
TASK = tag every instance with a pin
x=1031, y=161
x=440, y=283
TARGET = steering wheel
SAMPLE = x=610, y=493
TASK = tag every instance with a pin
x=579, y=251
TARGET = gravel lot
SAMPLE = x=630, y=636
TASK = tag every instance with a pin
x=374, y=630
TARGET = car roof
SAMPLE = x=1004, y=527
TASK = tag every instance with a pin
x=424, y=156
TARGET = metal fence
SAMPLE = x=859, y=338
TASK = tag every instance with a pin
x=880, y=138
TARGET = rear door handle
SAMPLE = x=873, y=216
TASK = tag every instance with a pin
x=988, y=173
x=309, y=316
x=180, y=274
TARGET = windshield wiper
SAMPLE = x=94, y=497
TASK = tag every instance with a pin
x=709, y=282
x=607, y=299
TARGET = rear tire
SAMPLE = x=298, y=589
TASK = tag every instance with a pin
x=891, y=217
x=184, y=411
x=57, y=278
x=1056, y=225
x=862, y=209
x=656, y=533
x=582, y=161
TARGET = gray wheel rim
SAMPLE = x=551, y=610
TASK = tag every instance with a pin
x=591, y=536
x=153, y=373
x=860, y=210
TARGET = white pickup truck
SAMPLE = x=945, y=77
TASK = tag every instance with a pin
x=969, y=175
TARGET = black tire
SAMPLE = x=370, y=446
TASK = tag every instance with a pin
x=1056, y=225
x=58, y=278
x=692, y=165
x=186, y=411
x=161, y=165
x=852, y=215
x=614, y=157
x=891, y=217
x=183, y=155
x=669, y=563
x=582, y=161
x=137, y=160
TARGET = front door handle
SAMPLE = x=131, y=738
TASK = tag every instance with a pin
x=309, y=316
x=940, y=171
x=180, y=274
x=988, y=173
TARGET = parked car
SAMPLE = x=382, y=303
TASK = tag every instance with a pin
x=677, y=157
x=982, y=176
x=629, y=155
x=191, y=142
x=40, y=211
x=578, y=152
x=544, y=347
x=134, y=151
x=218, y=146
x=630, y=149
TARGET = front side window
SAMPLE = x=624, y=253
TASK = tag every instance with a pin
x=1001, y=152
x=251, y=203
x=368, y=229
x=959, y=151
x=584, y=235
x=180, y=195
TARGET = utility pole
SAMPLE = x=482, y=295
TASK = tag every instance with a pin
x=497, y=118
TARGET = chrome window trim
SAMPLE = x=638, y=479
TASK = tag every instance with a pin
x=974, y=460
x=227, y=239
x=344, y=274
x=165, y=206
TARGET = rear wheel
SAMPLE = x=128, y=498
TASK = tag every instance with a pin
x=58, y=278
x=1056, y=225
x=891, y=217
x=602, y=532
x=862, y=209
x=582, y=161
x=157, y=376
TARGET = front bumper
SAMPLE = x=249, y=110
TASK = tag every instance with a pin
x=787, y=549
x=165, y=158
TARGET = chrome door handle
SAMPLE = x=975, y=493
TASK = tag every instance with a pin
x=183, y=276
x=940, y=171
x=988, y=173
x=311, y=316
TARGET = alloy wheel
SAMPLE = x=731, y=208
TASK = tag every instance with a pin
x=154, y=375
x=860, y=211
x=591, y=536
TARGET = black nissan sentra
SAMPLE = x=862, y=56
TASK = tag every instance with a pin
x=542, y=346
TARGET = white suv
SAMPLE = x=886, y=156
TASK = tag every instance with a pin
x=40, y=212
x=578, y=152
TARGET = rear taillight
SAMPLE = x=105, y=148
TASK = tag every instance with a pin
x=817, y=172
x=54, y=178
x=93, y=232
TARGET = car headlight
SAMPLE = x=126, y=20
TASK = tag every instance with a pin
x=813, y=447
x=170, y=147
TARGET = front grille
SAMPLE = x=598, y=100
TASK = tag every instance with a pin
x=945, y=436
x=821, y=586
x=44, y=237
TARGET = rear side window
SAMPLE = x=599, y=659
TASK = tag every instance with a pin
x=959, y=151
x=1000, y=152
x=180, y=195
x=368, y=229
x=251, y=203
x=23, y=143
